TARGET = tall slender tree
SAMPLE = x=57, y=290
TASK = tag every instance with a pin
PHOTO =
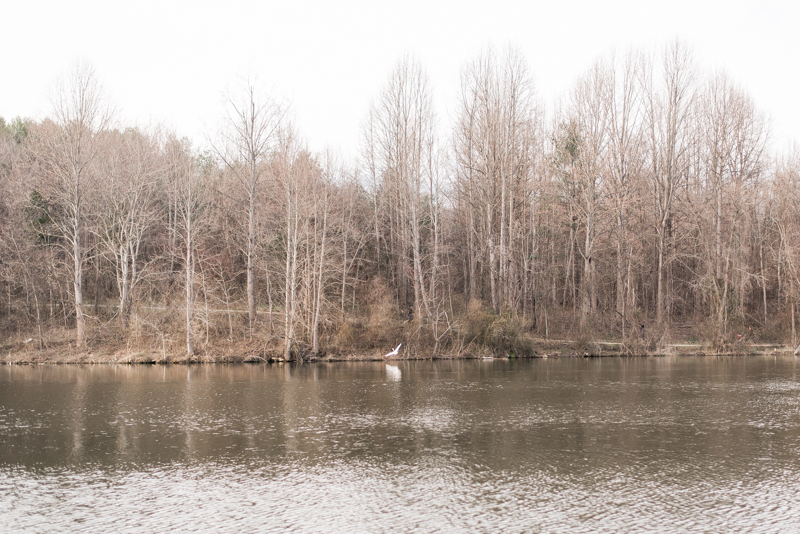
x=250, y=133
x=668, y=114
x=190, y=187
x=401, y=133
x=68, y=147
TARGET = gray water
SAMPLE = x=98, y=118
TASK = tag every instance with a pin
x=683, y=444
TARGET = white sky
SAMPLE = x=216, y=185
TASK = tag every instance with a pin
x=169, y=61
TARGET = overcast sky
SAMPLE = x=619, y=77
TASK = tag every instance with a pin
x=169, y=61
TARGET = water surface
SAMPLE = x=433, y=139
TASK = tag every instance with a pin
x=683, y=444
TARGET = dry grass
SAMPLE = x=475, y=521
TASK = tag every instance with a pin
x=156, y=334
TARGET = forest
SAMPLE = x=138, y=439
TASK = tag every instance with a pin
x=646, y=206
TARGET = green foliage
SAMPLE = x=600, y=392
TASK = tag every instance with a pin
x=567, y=142
x=206, y=163
x=39, y=219
x=17, y=129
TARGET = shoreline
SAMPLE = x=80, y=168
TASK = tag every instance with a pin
x=550, y=349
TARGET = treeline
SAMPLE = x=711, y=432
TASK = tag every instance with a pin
x=649, y=197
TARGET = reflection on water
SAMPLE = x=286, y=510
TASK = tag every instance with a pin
x=573, y=445
x=393, y=373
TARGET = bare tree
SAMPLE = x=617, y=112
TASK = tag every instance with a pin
x=783, y=216
x=356, y=227
x=733, y=142
x=318, y=241
x=402, y=128
x=68, y=148
x=285, y=168
x=590, y=115
x=251, y=130
x=494, y=138
x=133, y=170
x=668, y=116
x=25, y=248
x=623, y=163
x=192, y=202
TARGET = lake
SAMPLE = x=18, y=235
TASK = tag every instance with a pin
x=672, y=444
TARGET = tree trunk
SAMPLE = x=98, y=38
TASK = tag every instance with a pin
x=77, y=253
x=251, y=246
x=189, y=288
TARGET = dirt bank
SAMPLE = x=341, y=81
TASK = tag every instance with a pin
x=66, y=353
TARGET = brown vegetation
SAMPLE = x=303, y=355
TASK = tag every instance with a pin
x=647, y=210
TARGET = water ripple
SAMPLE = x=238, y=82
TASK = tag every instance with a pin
x=672, y=445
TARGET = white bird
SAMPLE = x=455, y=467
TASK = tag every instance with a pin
x=28, y=341
x=394, y=352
